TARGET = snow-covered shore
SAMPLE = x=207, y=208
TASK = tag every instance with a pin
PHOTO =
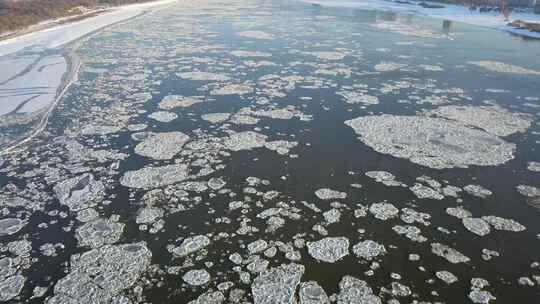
x=456, y=13
x=32, y=82
x=57, y=36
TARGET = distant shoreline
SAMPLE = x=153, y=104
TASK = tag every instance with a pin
x=58, y=32
x=44, y=25
x=457, y=13
x=18, y=17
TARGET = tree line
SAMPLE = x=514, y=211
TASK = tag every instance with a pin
x=19, y=14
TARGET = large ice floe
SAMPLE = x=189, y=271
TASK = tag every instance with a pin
x=100, y=275
x=162, y=145
x=80, y=192
x=432, y=142
x=152, y=177
x=9, y=226
x=277, y=285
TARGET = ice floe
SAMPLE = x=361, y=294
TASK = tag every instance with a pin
x=152, y=177
x=191, y=245
x=196, y=277
x=450, y=254
x=102, y=273
x=329, y=194
x=368, y=250
x=163, y=116
x=9, y=226
x=80, y=192
x=277, y=284
x=431, y=142
x=162, y=145
x=329, y=250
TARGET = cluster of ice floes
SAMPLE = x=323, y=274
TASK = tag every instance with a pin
x=482, y=226
x=432, y=142
x=386, y=178
x=532, y=194
x=174, y=169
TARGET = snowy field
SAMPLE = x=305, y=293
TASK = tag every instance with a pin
x=450, y=12
x=33, y=89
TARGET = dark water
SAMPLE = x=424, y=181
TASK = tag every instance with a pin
x=329, y=154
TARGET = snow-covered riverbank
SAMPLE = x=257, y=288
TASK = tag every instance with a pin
x=33, y=81
x=56, y=36
x=450, y=12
